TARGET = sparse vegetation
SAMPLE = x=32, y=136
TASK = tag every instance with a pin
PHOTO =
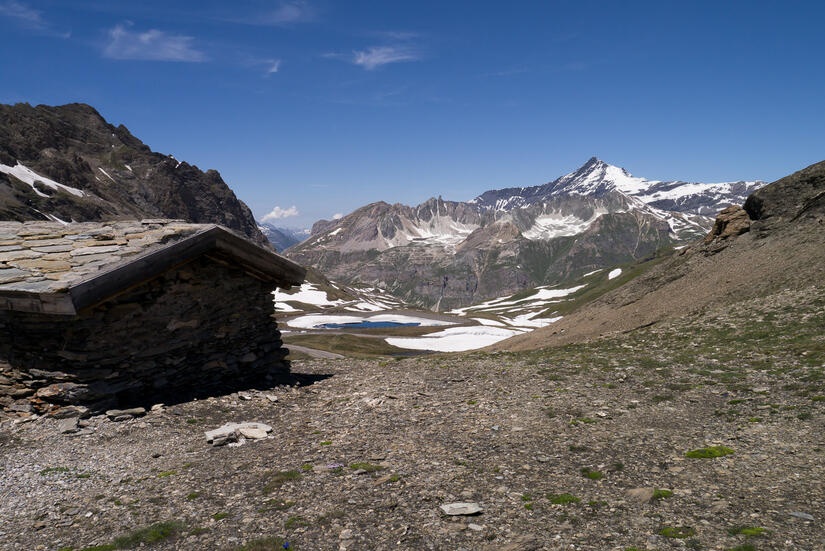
x=277, y=479
x=562, y=499
x=710, y=452
x=369, y=467
x=662, y=494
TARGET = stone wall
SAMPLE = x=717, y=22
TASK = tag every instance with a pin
x=205, y=325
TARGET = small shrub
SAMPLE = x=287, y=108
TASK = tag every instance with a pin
x=220, y=516
x=592, y=475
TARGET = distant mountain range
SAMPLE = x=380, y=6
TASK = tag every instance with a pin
x=67, y=163
x=282, y=238
x=447, y=254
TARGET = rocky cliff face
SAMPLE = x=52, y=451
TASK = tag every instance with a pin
x=448, y=254
x=67, y=163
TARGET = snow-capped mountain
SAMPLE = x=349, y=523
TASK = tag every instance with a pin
x=596, y=178
x=449, y=254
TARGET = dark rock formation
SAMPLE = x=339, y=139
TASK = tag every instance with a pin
x=119, y=176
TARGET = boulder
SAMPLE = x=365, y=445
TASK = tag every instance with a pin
x=731, y=222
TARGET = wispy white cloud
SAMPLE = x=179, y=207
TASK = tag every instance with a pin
x=377, y=56
x=396, y=35
x=273, y=66
x=278, y=213
x=21, y=12
x=28, y=18
x=337, y=216
x=151, y=45
x=287, y=13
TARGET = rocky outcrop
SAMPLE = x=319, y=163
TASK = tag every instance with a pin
x=800, y=195
x=103, y=173
x=731, y=222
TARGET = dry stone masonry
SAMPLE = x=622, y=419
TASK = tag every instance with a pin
x=124, y=314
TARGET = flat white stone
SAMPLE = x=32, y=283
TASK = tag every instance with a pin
x=454, y=509
x=229, y=429
x=252, y=434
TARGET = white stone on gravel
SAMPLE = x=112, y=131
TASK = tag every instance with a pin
x=252, y=434
x=229, y=432
x=454, y=509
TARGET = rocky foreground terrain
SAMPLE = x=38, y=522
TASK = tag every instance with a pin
x=587, y=446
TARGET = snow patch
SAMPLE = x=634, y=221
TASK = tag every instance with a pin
x=308, y=294
x=106, y=173
x=549, y=226
x=614, y=273
x=455, y=339
x=28, y=176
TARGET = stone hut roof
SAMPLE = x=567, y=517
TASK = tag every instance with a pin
x=57, y=268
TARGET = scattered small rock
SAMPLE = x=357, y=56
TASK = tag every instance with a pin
x=67, y=426
x=71, y=411
x=118, y=415
x=640, y=495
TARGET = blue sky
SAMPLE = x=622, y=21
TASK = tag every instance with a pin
x=325, y=106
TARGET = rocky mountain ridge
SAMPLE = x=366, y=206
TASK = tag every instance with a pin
x=448, y=254
x=67, y=163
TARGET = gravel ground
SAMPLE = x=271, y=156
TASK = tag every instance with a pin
x=364, y=456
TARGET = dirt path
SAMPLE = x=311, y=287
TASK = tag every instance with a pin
x=313, y=353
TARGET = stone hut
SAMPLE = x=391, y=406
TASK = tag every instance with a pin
x=131, y=313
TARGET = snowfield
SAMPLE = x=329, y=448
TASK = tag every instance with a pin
x=455, y=339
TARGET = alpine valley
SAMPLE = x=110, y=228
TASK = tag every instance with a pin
x=446, y=254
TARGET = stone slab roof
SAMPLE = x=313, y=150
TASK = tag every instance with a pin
x=60, y=268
